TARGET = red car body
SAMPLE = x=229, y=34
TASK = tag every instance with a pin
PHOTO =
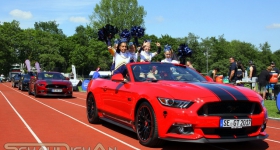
x=185, y=108
x=50, y=84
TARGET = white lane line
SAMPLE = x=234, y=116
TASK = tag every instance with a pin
x=273, y=127
x=108, y=135
x=272, y=140
x=24, y=122
x=72, y=103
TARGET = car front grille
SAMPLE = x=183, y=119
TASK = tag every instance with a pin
x=229, y=108
x=56, y=86
x=230, y=133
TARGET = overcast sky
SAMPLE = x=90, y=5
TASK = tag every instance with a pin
x=252, y=21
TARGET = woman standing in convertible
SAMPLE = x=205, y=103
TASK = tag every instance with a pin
x=146, y=55
x=168, y=55
x=121, y=57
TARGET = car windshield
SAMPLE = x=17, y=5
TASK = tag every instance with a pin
x=50, y=76
x=17, y=76
x=165, y=71
x=27, y=76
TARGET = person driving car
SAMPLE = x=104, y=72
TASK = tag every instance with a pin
x=137, y=74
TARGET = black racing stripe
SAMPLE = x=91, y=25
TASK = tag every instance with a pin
x=238, y=95
x=222, y=94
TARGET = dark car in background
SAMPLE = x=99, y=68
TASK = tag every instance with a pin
x=15, y=80
x=23, y=83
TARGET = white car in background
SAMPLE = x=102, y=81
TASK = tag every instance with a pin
x=73, y=78
x=3, y=78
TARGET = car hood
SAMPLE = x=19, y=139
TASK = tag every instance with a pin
x=55, y=81
x=194, y=90
x=26, y=80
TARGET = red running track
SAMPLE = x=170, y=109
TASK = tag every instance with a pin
x=25, y=119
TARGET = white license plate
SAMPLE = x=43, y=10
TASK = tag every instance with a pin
x=56, y=90
x=235, y=123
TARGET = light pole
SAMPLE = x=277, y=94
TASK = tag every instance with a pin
x=206, y=54
x=207, y=59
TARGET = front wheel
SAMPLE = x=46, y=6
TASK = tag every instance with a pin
x=29, y=92
x=92, y=113
x=35, y=92
x=146, y=126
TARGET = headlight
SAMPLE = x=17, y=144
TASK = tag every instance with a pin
x=40, y=84
x=175, y=103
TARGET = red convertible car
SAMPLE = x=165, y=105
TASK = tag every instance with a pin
x=164, y=101
x=50, y=84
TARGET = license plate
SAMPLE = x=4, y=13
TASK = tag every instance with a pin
x=235, y=123
x=56, y=90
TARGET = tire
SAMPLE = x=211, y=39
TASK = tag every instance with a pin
x=13, y=84
x=92, y=113
x=75, y=88
x=146, y=126
x=18, y=87
x=29, y=93
x=35, y=92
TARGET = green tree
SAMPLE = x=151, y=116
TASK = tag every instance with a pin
x=52, y=49
x=9, y=45
x=121, y=13
x=50, y=26
x=265, y=56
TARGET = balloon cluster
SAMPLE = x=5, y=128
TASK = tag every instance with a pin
x=184, y=51
x=107, y=32
x=137, y=31
x=125, y=36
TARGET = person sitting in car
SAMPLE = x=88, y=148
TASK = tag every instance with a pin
x=137, y=74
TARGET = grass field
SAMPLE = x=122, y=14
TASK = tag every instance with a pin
x=272, y=109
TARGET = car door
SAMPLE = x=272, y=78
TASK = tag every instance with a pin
x=119, y=100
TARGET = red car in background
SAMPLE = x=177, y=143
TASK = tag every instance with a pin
x=164, y=101
x=50, y=84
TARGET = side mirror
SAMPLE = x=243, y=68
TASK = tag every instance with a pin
x=209, y=79
x=117, y=77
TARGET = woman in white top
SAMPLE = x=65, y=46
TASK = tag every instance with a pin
x=121, y=57
x=168, y=55
x=132, y=52
x=146, y=55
